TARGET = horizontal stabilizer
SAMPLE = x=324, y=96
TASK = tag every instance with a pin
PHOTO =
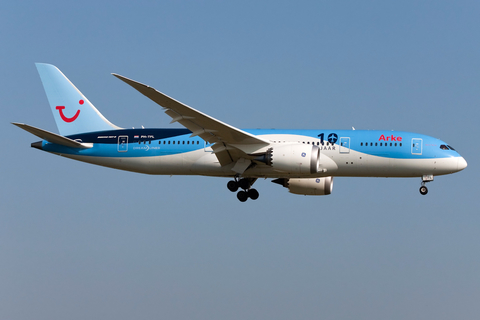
x=52, y=137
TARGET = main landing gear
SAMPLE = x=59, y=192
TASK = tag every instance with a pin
x=425, y=179
x=245, y=184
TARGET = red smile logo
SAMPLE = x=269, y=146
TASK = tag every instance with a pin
x=64, y=118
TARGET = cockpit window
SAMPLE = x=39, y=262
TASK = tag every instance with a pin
x=446, y=147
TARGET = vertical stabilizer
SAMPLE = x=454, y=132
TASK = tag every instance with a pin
x=72, y=111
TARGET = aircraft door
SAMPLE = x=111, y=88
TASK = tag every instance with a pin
x=122, y=144
x=344, y=145
x=417, y=146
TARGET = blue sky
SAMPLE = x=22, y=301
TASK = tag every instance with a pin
x=79, y=241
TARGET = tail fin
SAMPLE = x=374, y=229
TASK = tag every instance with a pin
x=72, y=111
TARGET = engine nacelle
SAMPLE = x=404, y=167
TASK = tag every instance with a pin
x=294, y=158
x=308, y=187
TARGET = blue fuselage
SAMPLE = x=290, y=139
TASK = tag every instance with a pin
x=352, y=152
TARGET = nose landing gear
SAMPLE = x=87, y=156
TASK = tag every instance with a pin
x=245, y=184
x=425, y=179
x=423, y=190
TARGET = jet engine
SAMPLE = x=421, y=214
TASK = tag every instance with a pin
x=293, y=158
x=308, y=187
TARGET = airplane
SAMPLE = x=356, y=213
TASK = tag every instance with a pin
x=303, y=161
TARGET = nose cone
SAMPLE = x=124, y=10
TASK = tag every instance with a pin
x=461, y=164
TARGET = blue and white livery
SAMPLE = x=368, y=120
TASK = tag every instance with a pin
x=304, y=161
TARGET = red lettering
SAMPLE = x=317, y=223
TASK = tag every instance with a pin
x=391, y=138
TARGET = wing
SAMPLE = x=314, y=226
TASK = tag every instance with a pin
x=230, y=144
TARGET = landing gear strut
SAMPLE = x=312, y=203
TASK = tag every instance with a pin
x=245, y=184
x=425, y=179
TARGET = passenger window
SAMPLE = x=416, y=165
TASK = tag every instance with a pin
x=376, y=144
x=400, y=144
x=381, y=144
x=173, y=142
x=361, y=144
x=390, y=144
x=371, y=144
x=395, y=144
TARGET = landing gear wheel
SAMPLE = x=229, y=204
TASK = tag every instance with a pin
x=242, y=196
x=253, y=194
x=232, y=185
x=423, y=190
x=244, y=184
